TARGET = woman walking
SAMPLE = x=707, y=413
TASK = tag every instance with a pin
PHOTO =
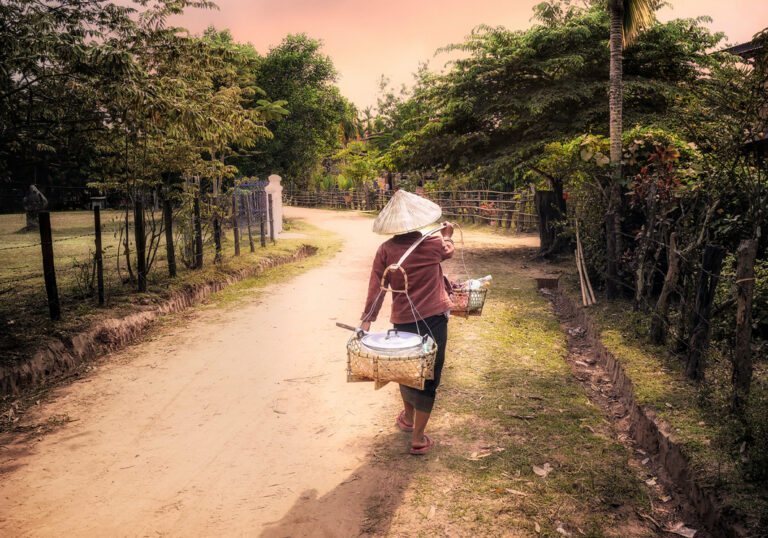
x=403, y=217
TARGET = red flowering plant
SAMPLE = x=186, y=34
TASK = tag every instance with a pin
x=488, y=210
x=659, y=175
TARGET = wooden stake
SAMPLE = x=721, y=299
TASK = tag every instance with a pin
x=98, y=254
x=584, y=265
x=247, y=197
x=581, y=278
x=49, y=271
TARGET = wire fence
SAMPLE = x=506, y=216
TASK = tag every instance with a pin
x=25, y=295
x=514, y=210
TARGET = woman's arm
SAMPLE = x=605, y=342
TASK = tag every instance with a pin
x=371, y=311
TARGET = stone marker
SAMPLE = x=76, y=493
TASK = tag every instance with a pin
x=276, y=190
x=34, y=202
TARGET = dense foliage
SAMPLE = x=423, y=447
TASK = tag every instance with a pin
x=296, y=71
x=92, y=91
x=488, y=117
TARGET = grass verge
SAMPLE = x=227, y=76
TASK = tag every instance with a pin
x=697, y=415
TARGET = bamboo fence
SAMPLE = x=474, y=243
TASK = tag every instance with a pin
x=513, y=210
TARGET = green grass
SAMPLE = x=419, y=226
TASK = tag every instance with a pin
x=509, y=399
x=23, y=307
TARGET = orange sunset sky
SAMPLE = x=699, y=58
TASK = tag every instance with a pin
x=370, y=38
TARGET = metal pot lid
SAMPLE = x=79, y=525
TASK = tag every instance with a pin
x=392, y=340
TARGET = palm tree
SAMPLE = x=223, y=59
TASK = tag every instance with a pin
x=628, y=18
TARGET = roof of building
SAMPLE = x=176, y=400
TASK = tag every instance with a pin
x=745, y=50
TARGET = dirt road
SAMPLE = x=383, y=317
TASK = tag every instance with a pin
x=218, y=426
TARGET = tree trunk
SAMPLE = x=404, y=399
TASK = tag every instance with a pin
x=141, y=241
x=217, y=239
x=198, y=235
x=698, y=341
x=659, y=322
x=548, y=211
x=236, y=223
x=127, y=245
x=742, y=354
x=169, y=250
x=612, y=215
x=687, y=315
x=644, y=243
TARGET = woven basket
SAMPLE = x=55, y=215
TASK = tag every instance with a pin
x=468, y=302
x=412, y=370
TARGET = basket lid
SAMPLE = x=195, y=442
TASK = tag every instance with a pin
x=392, y=340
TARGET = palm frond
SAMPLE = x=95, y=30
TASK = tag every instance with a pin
x=638, y=15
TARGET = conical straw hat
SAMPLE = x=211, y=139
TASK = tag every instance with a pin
x=405, y=213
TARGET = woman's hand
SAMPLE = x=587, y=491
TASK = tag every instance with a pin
x=448, y=230
x=366, y=326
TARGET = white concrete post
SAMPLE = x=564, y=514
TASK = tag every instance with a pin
x=276, y=190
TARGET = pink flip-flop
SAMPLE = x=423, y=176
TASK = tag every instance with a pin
x=400, y=421
x=426, y=448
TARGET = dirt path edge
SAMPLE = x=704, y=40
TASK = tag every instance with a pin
x=650, y=432
x=60, y=357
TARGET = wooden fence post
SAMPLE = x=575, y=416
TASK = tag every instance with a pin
x=262, y=232
x=141, y=241
x=49, y=271
x=248, y=212
x=236, y=224
x=271, y=218
x=98, y=254
x=170, y=251
x=742, y=354
x=698, y=341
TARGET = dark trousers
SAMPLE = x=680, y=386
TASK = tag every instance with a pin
x=437, y=327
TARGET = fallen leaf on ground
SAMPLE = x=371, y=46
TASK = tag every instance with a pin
x=650, y=482
x=645, y=461
x=515, y=492
x=542, y=471
x=582, y=364
x=432, y=511
x=561, y=530
x=536, y=527
x=681, y=530
x=665, y=498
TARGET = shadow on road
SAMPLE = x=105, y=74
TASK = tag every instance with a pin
x=364, y=503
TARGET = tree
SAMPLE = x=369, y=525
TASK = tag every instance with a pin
x=358, y=163
x=628, y=18
x=52, y=60
x=487, y=120
x=297, y=72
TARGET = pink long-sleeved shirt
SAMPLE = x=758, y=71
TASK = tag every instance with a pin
x=426, y=286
